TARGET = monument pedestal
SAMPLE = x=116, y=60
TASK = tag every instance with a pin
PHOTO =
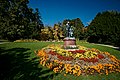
x=69, y=42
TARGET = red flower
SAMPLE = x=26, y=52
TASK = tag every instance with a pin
x=80, y=51
x=52, y=53
x=100, y=56
x=93, y=60
x=89, y=59
x=77, y=51
x=64, y=58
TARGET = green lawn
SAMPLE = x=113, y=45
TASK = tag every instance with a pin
x=19, y=62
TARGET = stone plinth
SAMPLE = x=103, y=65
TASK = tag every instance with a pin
x=69, y=42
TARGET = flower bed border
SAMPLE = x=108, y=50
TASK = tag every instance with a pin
x=59, y=66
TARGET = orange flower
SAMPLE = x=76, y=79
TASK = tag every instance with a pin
x=77, y=67
x=79, y=72
x=74, y=71
x=41, y=53
x=106, y=72
x=56, y=69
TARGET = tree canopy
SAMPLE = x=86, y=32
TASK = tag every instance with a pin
x=18, y=21
x=105, y=28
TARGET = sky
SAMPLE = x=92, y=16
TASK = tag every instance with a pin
x=54, y=11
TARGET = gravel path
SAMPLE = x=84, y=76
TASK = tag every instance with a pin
x=3, y=42
x=107, y=46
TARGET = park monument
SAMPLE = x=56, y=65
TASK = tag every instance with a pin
x=69, y=40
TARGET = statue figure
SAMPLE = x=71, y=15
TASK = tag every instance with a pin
x=69, y=40
x=69, y=30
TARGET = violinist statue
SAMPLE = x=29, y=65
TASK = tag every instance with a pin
x=69, y=31
x=70, y=40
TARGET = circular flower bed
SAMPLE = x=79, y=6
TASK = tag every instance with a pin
x=80, y=61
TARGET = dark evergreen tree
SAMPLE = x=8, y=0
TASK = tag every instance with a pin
x=105, y=28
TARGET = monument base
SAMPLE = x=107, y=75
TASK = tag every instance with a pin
x=69, y=42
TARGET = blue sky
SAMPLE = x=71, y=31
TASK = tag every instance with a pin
x=54, y=11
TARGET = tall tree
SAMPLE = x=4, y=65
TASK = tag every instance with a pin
x=78, y=28
x=38, y=24
x=18, y=21
x=105, y=28
x=15, y=18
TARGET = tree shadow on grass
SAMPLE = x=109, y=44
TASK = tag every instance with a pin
x=15, y=64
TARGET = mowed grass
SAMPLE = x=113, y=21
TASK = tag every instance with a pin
x=19, y=62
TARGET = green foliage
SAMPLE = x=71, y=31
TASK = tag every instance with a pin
x=44, y=36
x=18, y=21
x=46, y=33
x=105, y=28
x=50, y=33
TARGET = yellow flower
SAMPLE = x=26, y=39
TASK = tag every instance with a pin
x=43, y=64
x=56, y=61
x=79, y=72
x=77, y=67
x=74, y=71
x=106, y=72
x=56, y=69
